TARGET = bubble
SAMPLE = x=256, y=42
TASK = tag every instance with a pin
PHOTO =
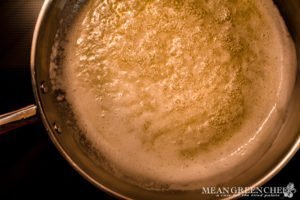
x=60, y=97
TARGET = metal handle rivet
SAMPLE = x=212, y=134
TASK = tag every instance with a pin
x=57, y=128
x=44, y=88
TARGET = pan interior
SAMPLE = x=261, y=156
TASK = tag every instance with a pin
x=69, y=127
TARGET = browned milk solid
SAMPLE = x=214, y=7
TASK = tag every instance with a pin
x=178, y=91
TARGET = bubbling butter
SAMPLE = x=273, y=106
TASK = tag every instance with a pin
x=177, y=91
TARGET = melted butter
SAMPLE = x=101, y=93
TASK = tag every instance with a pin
x=172, y=83
x=177, y=69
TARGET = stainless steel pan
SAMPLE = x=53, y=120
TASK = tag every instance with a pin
x=63, y=131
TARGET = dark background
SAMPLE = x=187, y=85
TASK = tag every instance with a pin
x=30, y=166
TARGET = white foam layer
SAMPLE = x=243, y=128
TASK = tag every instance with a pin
x=179, y=92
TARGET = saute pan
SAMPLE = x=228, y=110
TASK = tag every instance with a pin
x=57, y=118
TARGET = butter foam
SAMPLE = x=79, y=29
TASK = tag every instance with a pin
x=178, y=92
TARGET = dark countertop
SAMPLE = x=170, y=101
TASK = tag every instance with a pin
x=30, y=166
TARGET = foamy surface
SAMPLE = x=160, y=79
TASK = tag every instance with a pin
x=178, y=92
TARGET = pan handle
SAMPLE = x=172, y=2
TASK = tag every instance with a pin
x=18, y=118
